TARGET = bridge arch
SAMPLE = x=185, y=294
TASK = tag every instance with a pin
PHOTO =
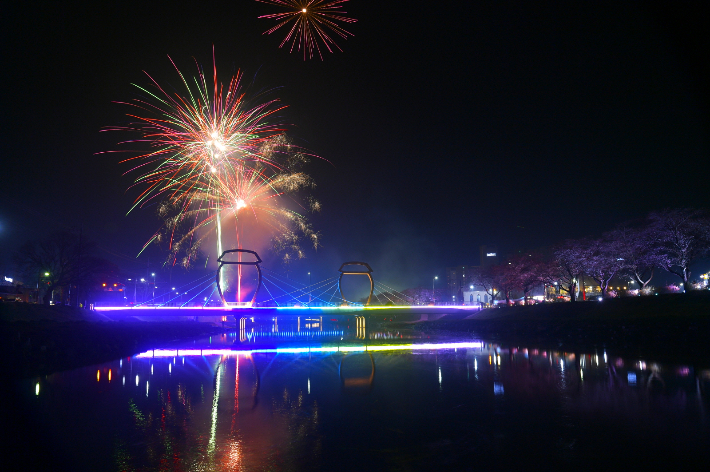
x=350, y=383
x=347, y=272
x=222, y=263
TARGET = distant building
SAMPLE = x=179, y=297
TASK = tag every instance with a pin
x=475, y=296
x=458, y=278
x=489, y=256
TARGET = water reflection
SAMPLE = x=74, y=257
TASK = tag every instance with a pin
x=233, y=404
x=255, y=330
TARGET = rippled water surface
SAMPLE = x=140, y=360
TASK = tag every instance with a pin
x=314, y=394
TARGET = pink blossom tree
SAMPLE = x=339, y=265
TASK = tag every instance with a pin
x=601, y=260
x=680, y=237
x=569, y=264
x=637, y=250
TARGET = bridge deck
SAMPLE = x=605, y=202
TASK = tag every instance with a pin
x=281, y=311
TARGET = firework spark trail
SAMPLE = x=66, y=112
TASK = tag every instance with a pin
x=215, y=156
x=310, y=21
x=192, y=146
x=251, y=197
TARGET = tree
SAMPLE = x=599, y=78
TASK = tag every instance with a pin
x=569, y=264
x=601, y=260
x=422, y=295
x=530, y=271
x=505, y=278
x=681, y=237
x=61, y=260
x=485, y=278
x=637, y=251
x=90, y=273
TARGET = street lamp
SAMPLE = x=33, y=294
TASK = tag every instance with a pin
x=153, y=274
x=135, y=290
x=39, y=278
x=433, y=290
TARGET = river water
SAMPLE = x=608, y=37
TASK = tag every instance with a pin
x=315, y=394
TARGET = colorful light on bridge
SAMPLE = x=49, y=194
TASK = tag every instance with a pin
x=307, y=349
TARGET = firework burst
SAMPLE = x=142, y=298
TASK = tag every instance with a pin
x=195, y=137
x=309, y=24
x=254, y=201
x=214, y=157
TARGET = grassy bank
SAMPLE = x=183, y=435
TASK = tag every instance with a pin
x=38, y=340
x=668, y=326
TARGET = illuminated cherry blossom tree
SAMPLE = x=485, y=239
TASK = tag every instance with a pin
x=680, y=238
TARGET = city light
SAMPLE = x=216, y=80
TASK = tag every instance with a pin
x=433, y=291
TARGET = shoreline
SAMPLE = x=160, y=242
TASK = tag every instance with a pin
x=40, y=340
x=667, y=327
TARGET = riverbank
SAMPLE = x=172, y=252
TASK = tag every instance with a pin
x=39, y=340
x=675, y=327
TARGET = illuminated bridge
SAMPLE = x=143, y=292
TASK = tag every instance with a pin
x=205, y=299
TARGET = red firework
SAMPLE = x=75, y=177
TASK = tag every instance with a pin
x=309, y=23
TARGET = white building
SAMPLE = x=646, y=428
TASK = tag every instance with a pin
x=475, y=296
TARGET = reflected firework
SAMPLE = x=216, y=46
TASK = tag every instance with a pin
x=309, y=23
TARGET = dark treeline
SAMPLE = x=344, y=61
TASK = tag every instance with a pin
x=671, y=240
x=63, y=266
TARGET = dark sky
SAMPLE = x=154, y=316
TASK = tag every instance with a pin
x=448, y=126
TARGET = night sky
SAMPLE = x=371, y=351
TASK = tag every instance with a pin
x=445, y=126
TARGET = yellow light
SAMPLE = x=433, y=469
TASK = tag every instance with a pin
x=304, y=10
x=98, y=375
x=109, y=375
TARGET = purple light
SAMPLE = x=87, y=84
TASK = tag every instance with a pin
x=291, y=308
